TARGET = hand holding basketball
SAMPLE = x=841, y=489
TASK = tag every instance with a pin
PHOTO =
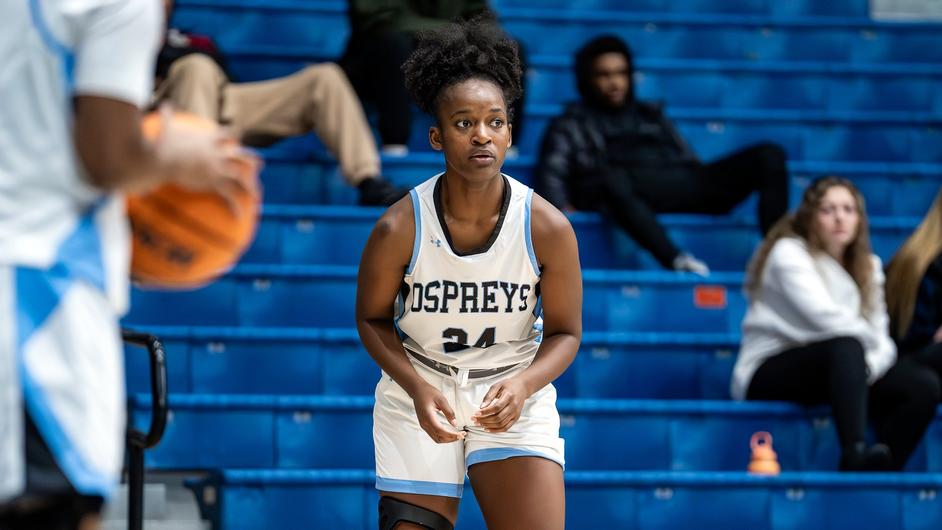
x=191, y=230
x=205, y=157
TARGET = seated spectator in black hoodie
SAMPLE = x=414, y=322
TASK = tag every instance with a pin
x=622, y=157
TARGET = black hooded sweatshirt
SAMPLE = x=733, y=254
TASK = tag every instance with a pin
x=592, y=143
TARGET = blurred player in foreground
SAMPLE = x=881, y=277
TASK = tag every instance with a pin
x=72, y=82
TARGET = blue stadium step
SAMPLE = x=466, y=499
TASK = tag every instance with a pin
x=836, y=8
x=335, y=235
x=260, y=431
x=322, y=29
x=884, y=137
x=255, y=500
x=724, y=36
x=324, y=296
x=805, y=135
x=297, y=172
x=246, y=24
x=333, y=362
x=700, y=83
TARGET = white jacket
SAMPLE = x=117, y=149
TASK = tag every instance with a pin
x=807, y=297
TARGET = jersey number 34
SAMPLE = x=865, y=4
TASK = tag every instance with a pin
x=459, y=339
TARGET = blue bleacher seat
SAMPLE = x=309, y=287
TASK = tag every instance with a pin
x=335, y=235
x=841, y=8
x=289, y=432
x=229, y=360
x=318, y=26
x=638, y=500
x=292, y=295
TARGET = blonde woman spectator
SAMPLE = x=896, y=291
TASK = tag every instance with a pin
x=914, y=292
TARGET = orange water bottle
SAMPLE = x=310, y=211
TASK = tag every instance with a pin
x=764, y=460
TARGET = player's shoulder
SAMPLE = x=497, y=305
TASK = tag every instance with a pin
x=397, y=223
x=552, y=235
x=546, y=219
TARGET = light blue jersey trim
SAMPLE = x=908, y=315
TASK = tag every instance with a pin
x=492, y=454
x=421, y=487
x=81, y=253
x=39, y=293
x=65, y=54
x=417, y=212
x=526, y=229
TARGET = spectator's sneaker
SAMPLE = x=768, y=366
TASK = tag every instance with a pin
x=877, y=457
x=376, y=191
x=687, y=263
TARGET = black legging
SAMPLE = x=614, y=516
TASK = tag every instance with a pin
x=715, y=188
x=373, y=65
x=902, y=403
x=930, y=356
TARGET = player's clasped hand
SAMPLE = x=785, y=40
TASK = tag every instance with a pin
x=430, y=404
x=501, y=406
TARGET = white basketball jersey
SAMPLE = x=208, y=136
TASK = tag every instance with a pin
x=475, y=310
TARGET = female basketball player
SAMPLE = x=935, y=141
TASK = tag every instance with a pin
x=490, y=290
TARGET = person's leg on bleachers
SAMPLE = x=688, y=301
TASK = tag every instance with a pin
x=930, y=356
x=617, y=200
x=373, y=65
x=195, y=84
x=903, y=403
x=832, y=371
x=316, y=99
x=761, y=168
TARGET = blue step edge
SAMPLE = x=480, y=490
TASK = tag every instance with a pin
x=566, y=406
x=705, y=19
x=813, y=479
x=349, y=272
x=765, y=66
x=347, y=335
x=369, y=214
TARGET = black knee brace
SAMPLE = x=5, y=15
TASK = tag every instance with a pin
x=394, y=511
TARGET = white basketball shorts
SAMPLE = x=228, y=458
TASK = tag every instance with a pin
x=61, y=360
x=409, y=461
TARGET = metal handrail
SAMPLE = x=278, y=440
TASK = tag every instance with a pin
x=139, y=441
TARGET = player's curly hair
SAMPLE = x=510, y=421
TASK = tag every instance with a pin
x=475, y=48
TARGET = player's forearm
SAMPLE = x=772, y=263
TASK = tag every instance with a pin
x=112, y=148
x=556, y=353
x=131, y=168
x=383, y=344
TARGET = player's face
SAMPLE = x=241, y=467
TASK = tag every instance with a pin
x=472, y=129
x=610, y=78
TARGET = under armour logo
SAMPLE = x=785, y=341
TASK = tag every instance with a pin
x=437, y=242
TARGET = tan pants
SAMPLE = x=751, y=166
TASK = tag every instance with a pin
x=318, y=98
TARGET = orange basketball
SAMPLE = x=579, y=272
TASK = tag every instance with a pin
x=182, y=238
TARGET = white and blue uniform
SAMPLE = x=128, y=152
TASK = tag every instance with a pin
x=467, y=321
x=64, y=245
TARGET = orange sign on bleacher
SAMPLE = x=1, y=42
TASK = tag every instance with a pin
x=709, y=297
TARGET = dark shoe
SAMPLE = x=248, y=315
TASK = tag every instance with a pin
x=375, y=191
x=859, y=457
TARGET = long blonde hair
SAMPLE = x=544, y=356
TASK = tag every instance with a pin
x=857, y=259
x=906, y=269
